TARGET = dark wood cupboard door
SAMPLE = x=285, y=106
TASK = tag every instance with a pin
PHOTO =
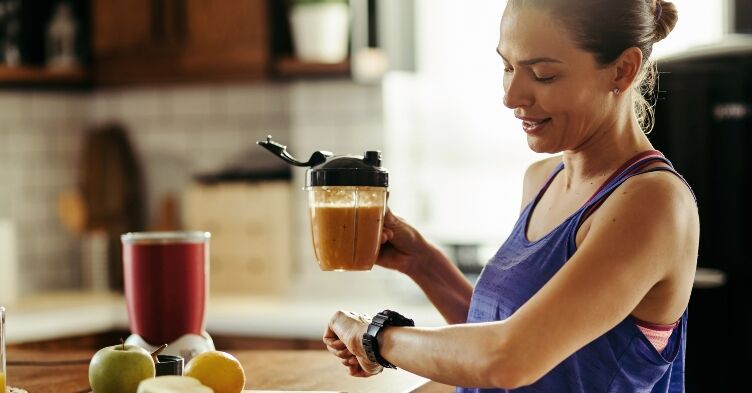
x=158, y=41
x=121, y=26
x=134, y=41
x=226, y=39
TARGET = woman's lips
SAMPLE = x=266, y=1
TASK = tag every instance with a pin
x=534, y=126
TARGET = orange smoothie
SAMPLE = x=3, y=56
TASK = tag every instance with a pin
x=346, y=238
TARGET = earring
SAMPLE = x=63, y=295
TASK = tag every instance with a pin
x=616, y=91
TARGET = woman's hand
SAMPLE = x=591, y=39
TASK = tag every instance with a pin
x=344, y=338
x=401, y=245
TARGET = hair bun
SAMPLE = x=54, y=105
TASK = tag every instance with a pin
x=665, y=19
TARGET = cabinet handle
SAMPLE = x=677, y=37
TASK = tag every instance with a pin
x=157, y=19
x=180, y=19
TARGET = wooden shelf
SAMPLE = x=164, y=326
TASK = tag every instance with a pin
x=40, y=76
x=287, y=67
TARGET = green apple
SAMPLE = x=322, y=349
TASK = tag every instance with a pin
x=120, y=368
x=173, y=384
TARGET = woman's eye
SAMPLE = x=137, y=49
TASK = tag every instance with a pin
x=544, y=78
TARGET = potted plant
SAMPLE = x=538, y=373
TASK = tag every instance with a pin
x=320, y=30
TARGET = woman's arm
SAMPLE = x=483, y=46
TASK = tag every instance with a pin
x=644, y=234
x=444, y=285
x=406, y=251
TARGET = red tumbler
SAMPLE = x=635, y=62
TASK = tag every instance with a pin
x=166, y=283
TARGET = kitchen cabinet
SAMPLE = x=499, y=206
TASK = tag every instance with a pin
x=139, y=42
x=153, y=41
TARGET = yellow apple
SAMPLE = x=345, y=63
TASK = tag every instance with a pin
x=120, y=368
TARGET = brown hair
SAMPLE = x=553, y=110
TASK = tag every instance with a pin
x=607, y=28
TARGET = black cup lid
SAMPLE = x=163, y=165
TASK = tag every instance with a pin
x=349, y=170
x=329, y=170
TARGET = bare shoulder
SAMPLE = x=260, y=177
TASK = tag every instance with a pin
x=535, y=175
x=658, y=205
x=655, y=192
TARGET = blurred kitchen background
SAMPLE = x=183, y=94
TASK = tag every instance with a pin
x=122, y=115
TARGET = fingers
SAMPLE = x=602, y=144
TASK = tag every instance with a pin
x=349, y=324
x=386, y=235
x=355, y=371
x=366, y=368
x=329, y=334
x=362, y=368
x=335, y=343
x=340, y=352
x=390, y=220
x=350, y=361
x=337, y=348
x=344, y=354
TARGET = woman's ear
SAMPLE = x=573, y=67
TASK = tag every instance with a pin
x=627, y=68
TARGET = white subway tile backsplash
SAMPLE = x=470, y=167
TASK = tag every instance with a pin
x=5, y=200
x=192, y=102
x=15, y=105
x=69, y=143
x=22, y=140
x=163, y=139
x=4, y=136
x=220, y=137
x=144, y=103
x=46, y=106
x=260, y=99
x=105, y=105
x=336, y=99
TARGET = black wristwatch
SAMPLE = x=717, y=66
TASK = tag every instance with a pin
x=371, y=336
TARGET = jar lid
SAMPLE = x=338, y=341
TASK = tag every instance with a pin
x=329, y=170
x=162, y=237
x=349, y=170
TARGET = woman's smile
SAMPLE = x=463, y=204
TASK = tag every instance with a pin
x=532, y=125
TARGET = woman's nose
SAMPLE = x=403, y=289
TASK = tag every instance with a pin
x=516, y=94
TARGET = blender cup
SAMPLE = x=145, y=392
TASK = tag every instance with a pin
x=346, y=204
x=166, y=275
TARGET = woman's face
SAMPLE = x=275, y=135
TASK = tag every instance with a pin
x=556, y=89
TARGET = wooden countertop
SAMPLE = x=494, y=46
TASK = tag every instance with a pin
x=67, y=372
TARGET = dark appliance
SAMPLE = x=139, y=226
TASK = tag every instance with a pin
x=704, y=126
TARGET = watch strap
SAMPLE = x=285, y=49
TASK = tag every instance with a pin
x=380, y=321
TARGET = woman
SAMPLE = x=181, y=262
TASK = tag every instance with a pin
x=589, y=293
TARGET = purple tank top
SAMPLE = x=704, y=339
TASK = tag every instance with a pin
x=622, y=359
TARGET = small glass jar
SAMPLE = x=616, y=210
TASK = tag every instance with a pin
x=346, y=224
x=347, y=197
